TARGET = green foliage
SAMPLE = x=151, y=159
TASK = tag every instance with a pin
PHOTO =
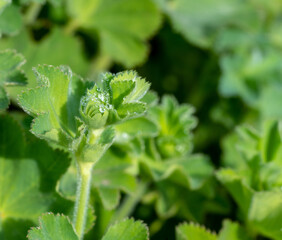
x=116, y=99
x=229, y=231
x=253, y=178
x=59, y=227
x=10, y=74
x=56, y=119
x=3, y=4
x=190, y=231
x=53, y=227
x=161, y=144
x=39, y=53
x=123, y=26
x=127, y=229
x=25, y=196
x=112, y=149
x=10, y=20
x=200, y=21
x=175, y=123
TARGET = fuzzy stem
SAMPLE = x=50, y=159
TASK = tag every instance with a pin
x=82, y=196
x=130, y=203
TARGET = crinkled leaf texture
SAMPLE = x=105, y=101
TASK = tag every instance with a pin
x=175, y=123
x=230, y=231
x=59, y=227
x=82, y=124
x=254, y=176
x=161, y=143
x=193, y=232
x=55, y=104
x=29, y=173
x=123, y=26
x=53, y=227
x=127, y=229
x=39, y=52
x=10, y=73
x=117, y=98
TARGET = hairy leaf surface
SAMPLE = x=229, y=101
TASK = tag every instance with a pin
x=53, y=227
x=127, y=229
x=10, y=74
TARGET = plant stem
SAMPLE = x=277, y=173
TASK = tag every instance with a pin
x=32, y=13
x=130, y=202
x=82, y=196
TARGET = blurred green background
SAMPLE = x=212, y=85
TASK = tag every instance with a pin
x=222, y=57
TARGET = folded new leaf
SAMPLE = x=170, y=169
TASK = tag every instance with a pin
x=175, y=124
x=115, y=100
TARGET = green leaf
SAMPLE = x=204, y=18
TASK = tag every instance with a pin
x=56, y=103
x=232, y=231
x=4, y=100
x=123, y=26
x=10, y=20
x=38, y=52
x=19, y=193
x=127, y=229
x=138, y=127
x=175, y=125
x=110, y=197
x=271, y=142
x=112, y=172
x=231, y=157
x=8, y=227
x=237, y=187
x=193, y=232
x=22, y=195
x=53, y=227
x=267, y=103
x=199, y=21
x=190, y=171
x=10, y=73
x=265, y=214
x=90, y=219
x=3, y=4
x=255, y=157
